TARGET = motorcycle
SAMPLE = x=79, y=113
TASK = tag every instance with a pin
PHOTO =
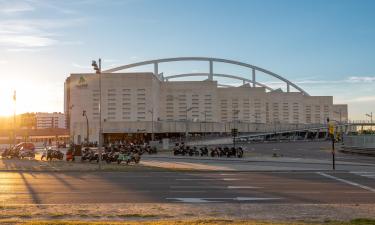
x=111, y=157
x=215, y=152
x=193, y=151
x=26, y=153
x=51, y=154
x=128, y=157
x=239, y=152
x=179, y=151
x=87, y=154
x=204, y=151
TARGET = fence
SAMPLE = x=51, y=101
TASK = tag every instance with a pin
x=361, y=144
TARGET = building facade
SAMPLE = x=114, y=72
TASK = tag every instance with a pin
x=141, y=103
x=50, y=120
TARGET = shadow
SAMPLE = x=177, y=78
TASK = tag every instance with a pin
x=63, y=181
x=36, y=199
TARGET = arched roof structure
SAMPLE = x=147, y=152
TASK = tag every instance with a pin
x=253, y=69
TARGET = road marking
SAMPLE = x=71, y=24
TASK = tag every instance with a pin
x=242, y=187
x=192, y=200
x=208, y=179
x=302, y=192
x=213, y=187
x=188, y=191
x=210, y=200
x=227, y=174
x=197, y=187
x=365, y=174
x=347, y=181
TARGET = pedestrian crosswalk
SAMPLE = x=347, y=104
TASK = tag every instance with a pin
x=365, y=174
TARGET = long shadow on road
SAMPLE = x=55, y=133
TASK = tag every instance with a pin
x=33, y=193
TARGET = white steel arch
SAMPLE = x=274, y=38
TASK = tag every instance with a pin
x=211, y=74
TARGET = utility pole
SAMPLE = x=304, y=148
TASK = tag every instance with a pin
x=98, y=69
x=370, y=115
x=14, y=118
x=186, y=124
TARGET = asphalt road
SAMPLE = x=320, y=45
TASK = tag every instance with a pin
x=306, y=150
x=187, y=187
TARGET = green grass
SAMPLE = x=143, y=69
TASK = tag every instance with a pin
x=136, y=215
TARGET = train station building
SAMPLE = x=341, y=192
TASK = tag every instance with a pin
x=139, y=104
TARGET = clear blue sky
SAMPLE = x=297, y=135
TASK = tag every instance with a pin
x=327, y=47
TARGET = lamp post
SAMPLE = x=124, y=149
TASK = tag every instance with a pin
x=205, y=122
x=69, y=116
x=152, y=124
x=340, y=114
x=370, y=116
x=98, y=69
x=14, y=118
x=186, y=124
x=87, y=126
x=235, y=112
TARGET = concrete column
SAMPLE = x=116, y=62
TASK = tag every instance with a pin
x=254, y=78
x=211, y=74
x=156, y=69
x=287, y=87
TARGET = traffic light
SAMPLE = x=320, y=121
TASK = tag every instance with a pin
x=234, y=132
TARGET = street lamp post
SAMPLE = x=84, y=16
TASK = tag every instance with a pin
x=370, y=116
x=14, y=118
x=98, y=68
x=152, y=123
x=340, y=113
x=186, y=123
x=205, y=122
x=235, y=112
x=69, y=116
x=87, y=126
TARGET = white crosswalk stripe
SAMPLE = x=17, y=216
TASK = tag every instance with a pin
x=364, y=174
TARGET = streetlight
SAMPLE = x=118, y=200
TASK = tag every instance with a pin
x=98, y=68
x=340, y=113
x=14, y=118
x=235, y=112
x=205, y=121
x=152, y=123
x=87, y=126
x=370, y=116
x=234, y=131
x=186, y=125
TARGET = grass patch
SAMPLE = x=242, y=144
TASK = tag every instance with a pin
x=136, y=215
x=57, y=215
x=362, y=221
x=195, y=222
x=18, y=215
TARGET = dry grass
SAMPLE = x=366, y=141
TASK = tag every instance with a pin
x=191, y=222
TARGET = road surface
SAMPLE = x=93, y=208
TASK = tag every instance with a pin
x=317, y=187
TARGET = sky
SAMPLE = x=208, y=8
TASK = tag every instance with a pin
x=326, y=47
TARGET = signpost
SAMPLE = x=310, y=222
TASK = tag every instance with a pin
x=331, y=132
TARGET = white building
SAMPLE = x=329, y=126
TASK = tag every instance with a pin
x=50, y=120
x=144, y=103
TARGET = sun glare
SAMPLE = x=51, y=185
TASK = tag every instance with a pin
x=26, y=97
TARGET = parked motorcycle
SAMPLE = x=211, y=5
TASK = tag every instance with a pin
x=51, y=154
x=128, y=157
x=193, y=151
x=203, y=151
